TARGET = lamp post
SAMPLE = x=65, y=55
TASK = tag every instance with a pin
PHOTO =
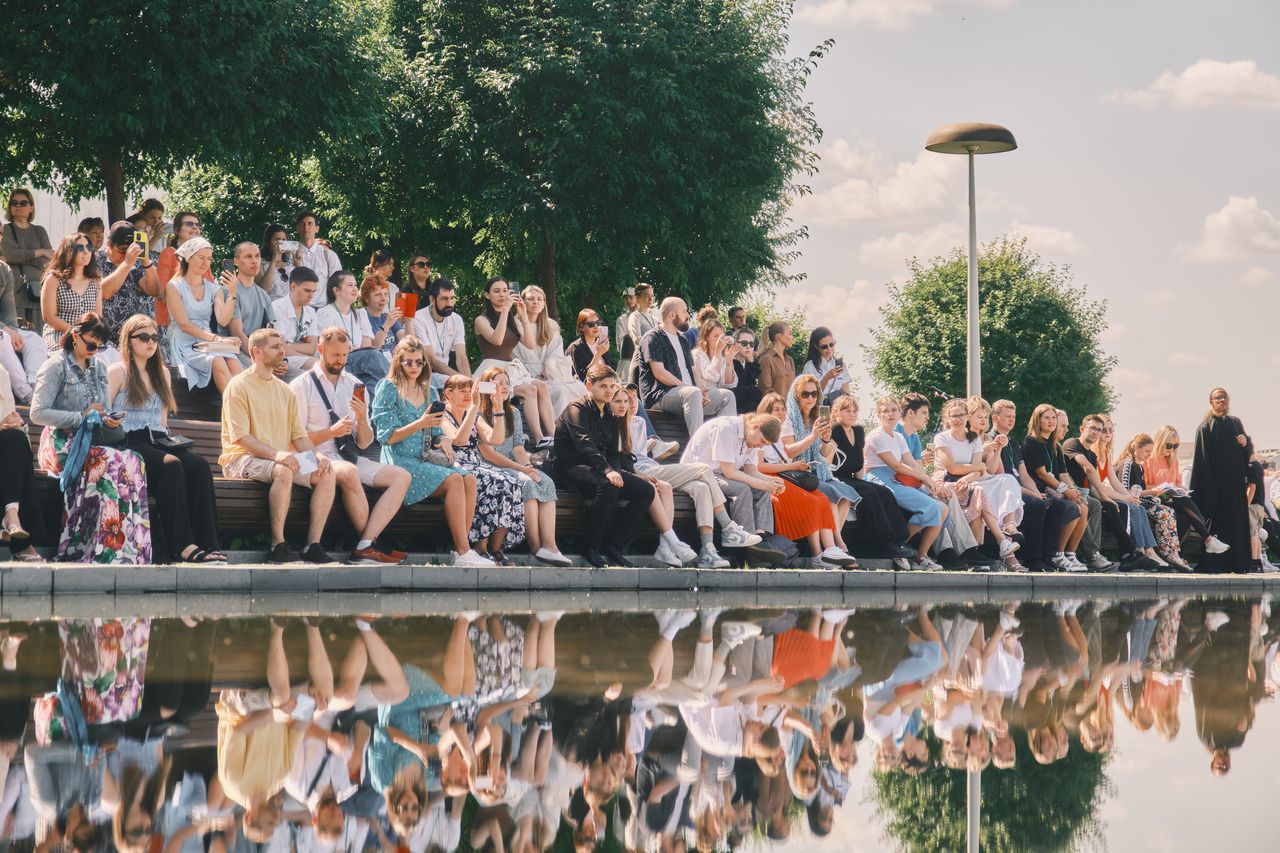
x=972, y=138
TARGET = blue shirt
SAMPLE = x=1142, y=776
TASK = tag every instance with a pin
x=913, y=442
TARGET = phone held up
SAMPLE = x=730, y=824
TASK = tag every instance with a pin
x=486, y=388
x=824, y=412
x=228, y=265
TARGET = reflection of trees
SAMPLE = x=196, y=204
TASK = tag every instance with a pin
x=1031, y=807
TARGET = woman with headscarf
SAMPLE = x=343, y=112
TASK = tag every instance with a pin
x=192, y=300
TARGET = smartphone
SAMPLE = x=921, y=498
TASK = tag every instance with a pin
x=288, y=247
x=604, y=332
x=436, y=408
x=140, y=237
x=228, y=265
x=514, y=287
x=116, y=416
x=359, y=393
x=486, y=388
x=840, y=361
x=824, y=412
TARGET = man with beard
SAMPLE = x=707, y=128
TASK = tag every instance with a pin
x=667, y=382
x=263, y=439
x=337, y=423
x=442, y=330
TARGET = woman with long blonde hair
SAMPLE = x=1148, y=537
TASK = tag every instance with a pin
x=1163, y=519
x=962, y=461
x=546, y=359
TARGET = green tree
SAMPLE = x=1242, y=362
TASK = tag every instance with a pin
x=1039, y=334
x=114, y=94
x=1030, y=807
x=585, y=145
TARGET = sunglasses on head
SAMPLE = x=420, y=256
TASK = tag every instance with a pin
x=146, y=337
x=413, y=362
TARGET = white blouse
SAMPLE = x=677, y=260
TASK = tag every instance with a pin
x=534, y=358
x=711, y=370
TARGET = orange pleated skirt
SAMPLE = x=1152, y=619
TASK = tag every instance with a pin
x=797, y=513
x=798, y=656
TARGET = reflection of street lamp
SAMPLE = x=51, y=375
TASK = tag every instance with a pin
x=972, y=138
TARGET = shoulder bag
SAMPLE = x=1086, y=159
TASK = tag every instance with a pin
x=346, y=444
x=806, y=480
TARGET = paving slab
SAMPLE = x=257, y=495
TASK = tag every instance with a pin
x=84, y=579
x=146, y=579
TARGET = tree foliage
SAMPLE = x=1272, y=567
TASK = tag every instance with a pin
x=1040, y=334
x=1030, y=807
x=116, y=94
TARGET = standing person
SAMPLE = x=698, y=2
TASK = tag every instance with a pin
x=276, y=262
x=26, y=247
x=546, y=360
x=588, y=458
x=878, y=513
x=250, y=304
x=295, y=320
x=367, y=363
x=191, y=298
x=95, y=229
x=186, y=225
x=313, y=253
x=1219, y=474
x=153, y=222
x=404, y=422
x=75, y=288
x=777, y=370
x=893, y=467
x=1161, y=469
x=501, y=327
x=106, y=517
x=824, y=363
x=642, y=320
x=131, y=283
x=418, y=279
x=264, y=439
x=22, y=524
x=441, y=330
x=1164, y=523
x=383, y=314
x=626, y=344
x=332, y=406
x=667, y=379
x=183, y=527
x=746, y=391
x=591, y=347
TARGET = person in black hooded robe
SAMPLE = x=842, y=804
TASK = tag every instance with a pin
x=1219, y=474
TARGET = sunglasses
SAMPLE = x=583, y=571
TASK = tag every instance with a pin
x=831, y=345
x=89, y=345
x=1171, y=446
x=591, y=324
x=413, y=362
x=82, y=247
x=146, y=337
x=19, y=202
x=808, y=395
x=190, y=223
x=420, y=265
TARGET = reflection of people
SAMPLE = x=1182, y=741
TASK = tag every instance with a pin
x=1218, y=478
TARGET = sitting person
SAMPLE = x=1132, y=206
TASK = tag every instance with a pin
x=746, y=390
x=184, y=526
x=501, y=327
x=696, y=480
x=23, y=522
x=730, y=447
x=331, y=403
x=441, y=331
x=264, y=439
x=382, y=266
x=131, y=282
x=641, y=320
x=798, y=513
x=505, y=449
x=826, y=365
x=1139, y=523
x=965, y=462
x=1163, y=518
x=405, y=419
x=713, y=356
x=894, y=467
x=546, y=360
x=667, y=379
x=190, y=299
x=107, y=518
x=295, y=320
x=22, y=351
x=591, y=347
x=251, y=308
x=383, y=314
x=499, y=517
x=366, y=362
x=1162, y=470
x=72, y=287
x=806, y=437
x=276, y=263
x=956, y=544
x=588, y=457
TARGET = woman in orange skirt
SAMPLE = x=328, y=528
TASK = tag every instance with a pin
x=797, y=513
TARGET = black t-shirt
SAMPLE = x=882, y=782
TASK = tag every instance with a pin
x=1036, y=455
x=1071, y=448
x=1010, y=456
x=1259, y=483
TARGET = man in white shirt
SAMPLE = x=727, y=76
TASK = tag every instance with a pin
x=295, y=319
x=337, y=422
x=322, y=260
x=731, y=447
x=442, y=332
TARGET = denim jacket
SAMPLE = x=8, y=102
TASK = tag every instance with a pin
x=64, y=390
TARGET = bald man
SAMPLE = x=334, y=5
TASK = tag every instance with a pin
x=667, y=381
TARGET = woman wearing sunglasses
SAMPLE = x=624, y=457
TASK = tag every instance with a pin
x=184, y=528
x=592, y=345
x=1161, y=471
x=26, y=246
x=74, y=288
x=106, y=517
x=826, y=365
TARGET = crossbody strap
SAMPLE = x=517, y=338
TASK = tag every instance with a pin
x=333, y=416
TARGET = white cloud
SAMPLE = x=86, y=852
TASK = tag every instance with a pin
x=1048, y=241
x=891, y=252
x=1186, y=358
x=1240, y=229
x=878, y=14
x=1256, y=275
x=848, y=309
x=1140, y=385
x=1209, y=83
x=872, y=187
x=1115, y=332
x=1160, y=298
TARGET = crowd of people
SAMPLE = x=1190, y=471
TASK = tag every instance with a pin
x=650, y=732
x=319, y=369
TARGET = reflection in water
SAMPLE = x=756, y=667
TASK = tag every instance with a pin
x=667, y=731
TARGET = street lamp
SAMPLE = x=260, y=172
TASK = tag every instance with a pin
x=972, y=138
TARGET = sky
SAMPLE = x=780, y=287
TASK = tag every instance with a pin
x=1145, y=131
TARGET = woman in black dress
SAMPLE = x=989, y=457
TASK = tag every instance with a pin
x=1219, y=474
x=879, y=520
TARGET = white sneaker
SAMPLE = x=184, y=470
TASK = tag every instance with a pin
x=555, y=558
x=734, y=633
x=471, y=615
x=1214, y=545
x=901, y=564
x=709, y=558
x=834, y=616
x=819, y=563
x=548, y=615
x=1074, y=560
x=1262, y=535
x=1066, y=564
x=472, y=559
x=1159, y=561
x=1098, y=562
x=837, y=557
x=684, y=552
x=1008, y=546
x=928, y=564
x=734, y=536
x=677, y=619
x=664, y=449
x=664, y=554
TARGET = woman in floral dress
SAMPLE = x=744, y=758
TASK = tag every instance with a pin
x=106, y=518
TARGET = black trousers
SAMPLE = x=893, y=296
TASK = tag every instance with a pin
x=879, y=519
x=179, y=673
x=1113, y=521
x=1189, y=514
x=602, y=499
x=1042, y=521
x=18, y=484
x=181, y=483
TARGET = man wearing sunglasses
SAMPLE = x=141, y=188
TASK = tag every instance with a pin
x=667, y=381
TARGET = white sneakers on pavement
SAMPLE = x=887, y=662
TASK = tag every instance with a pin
x=472, y=560
x=734, y=536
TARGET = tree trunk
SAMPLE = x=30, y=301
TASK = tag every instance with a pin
x=113, y=178
x=547, y=273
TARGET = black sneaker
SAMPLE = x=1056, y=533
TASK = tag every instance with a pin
x=763, y=553
x=281, y=553
x=313, y=553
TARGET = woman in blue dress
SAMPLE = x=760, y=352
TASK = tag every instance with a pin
x=404, y=423
x=190, y=300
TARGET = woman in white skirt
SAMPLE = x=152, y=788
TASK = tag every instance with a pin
x=545, y=360
x=503, y=325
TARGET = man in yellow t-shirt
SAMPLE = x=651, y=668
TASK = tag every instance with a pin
x=263, y=439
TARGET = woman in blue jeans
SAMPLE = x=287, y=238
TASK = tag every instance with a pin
x=890, y=462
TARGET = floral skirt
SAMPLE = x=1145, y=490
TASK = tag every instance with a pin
x=499, y=498
x=106, y=518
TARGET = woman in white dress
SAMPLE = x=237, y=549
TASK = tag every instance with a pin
x=545, y=360
x=968, y=463
x=713, y=358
